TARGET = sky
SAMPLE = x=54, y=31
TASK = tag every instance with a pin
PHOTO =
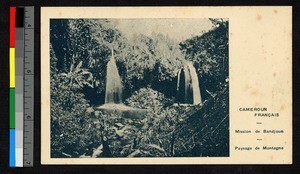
x=178, y=29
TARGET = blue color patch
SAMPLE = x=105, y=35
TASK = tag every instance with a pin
x=12, y=148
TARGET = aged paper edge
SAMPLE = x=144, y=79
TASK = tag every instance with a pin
x=249, y=29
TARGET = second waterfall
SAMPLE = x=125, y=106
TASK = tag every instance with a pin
x=188, y=90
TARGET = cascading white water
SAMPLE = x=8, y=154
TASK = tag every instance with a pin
x=178, y=79
x=113, y=92
x=188, y=89
x=195, y=84
x=188, y=85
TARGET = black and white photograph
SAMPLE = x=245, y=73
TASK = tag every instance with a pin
x=135, y=88
x=166, y=85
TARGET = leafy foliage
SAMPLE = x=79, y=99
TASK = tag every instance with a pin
x=205, y=132
x=69, y=111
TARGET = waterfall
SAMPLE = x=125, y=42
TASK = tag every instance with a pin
x=113, y=92
x=188, y=90
x=195, y=84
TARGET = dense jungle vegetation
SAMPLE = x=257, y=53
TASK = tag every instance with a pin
x=148, y=66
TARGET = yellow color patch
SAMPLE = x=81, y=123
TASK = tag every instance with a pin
x=12, y=68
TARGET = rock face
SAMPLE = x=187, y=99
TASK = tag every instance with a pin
x=188, y=90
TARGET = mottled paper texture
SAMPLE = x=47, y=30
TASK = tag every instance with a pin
x=166, y=85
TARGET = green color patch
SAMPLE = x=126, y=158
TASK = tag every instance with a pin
x=12, y=109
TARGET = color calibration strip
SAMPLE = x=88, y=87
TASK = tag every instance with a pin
x=21, y=86
x=12, y=132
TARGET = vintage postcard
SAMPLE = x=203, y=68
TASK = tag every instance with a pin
x=166, y=85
